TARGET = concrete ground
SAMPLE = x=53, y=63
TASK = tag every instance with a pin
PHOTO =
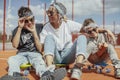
x=87, y=74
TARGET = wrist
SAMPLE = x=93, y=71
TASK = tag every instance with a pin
x=20, y=27
x=34, y=32
x=105, y=30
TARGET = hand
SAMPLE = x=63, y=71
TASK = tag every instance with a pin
x=21, y=22
x=31, y=27
x=101, y=45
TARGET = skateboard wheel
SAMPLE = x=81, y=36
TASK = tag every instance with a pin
x=107, y=70
x=99, y=70
x=89, y=67
x=25, y=72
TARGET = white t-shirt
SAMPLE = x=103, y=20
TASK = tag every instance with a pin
x=62, y=35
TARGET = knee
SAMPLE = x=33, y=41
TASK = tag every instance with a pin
x=82, y=38
x=11, y=59
x=49, y=37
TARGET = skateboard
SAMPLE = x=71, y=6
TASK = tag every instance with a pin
x=25, y=68
x=61, y=65
x=100, y=67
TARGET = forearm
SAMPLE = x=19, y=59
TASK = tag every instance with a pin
x=37, y=42
x=16, y=38
x=101, y=30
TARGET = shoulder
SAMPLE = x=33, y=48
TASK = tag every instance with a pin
x=73, y=22
x=47, y=26
x=15, y=29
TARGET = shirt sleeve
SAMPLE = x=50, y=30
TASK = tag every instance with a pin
x=74, y=26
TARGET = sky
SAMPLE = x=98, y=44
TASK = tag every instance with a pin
x=82, y=9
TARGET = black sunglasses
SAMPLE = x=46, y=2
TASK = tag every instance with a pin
x=90, y=31
x=31, y=20
x=51, y=12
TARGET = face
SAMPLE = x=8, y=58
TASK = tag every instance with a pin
x=28, y=21
x=92, y=32
x=52, y=14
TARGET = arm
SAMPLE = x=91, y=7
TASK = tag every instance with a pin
x=110, y=35
x=74, y=26
x=32, y=29
x=38, y=45
x=16, y=38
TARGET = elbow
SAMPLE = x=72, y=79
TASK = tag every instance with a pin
x=15, y=46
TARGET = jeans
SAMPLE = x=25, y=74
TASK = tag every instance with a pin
x=110, y=50
x=67, y=55
x=33, y=58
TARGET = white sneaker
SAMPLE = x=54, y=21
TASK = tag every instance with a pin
x=117, y=73
x=76, y=74
x=116, y=64
x=58, y=74
x=117, y=70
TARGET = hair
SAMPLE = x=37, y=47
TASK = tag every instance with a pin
x=86, y=23
x=61, y=9
x=24, y=11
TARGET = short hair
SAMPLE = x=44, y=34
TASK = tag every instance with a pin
x=24, y=11
x=88, y=21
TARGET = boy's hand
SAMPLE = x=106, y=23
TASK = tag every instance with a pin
x=21, y=22
x=31, y=27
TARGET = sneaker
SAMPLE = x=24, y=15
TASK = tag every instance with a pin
x=116, y=64
x=21, y=78
x=15, y=77
x=117, y=73
x=76, y=71
x=7, y=77
x=76, y=74
x=18, y=76
x=58, y=74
